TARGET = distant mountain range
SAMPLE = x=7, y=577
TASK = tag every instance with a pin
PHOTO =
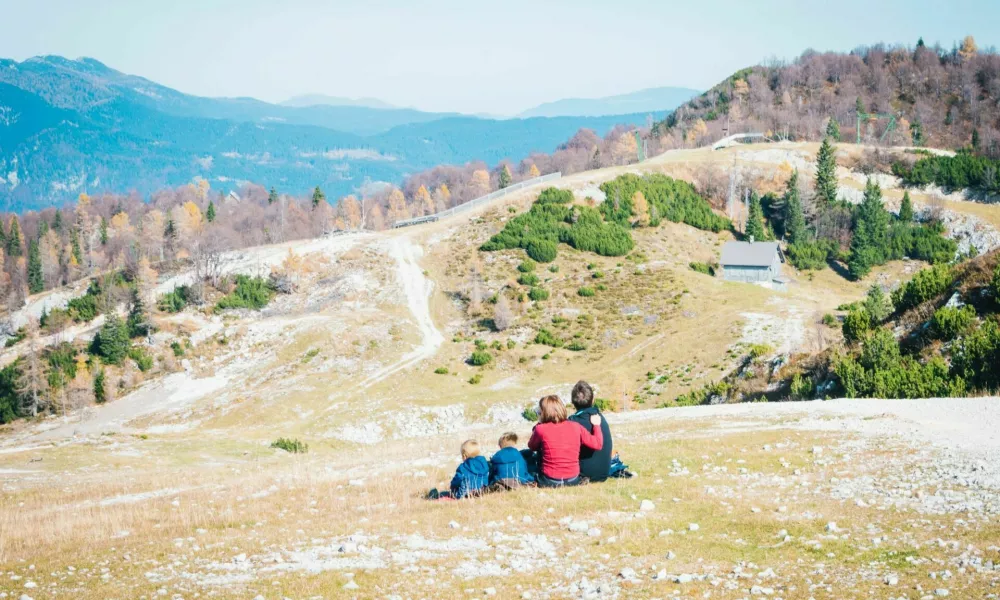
x=324, y=100
x=71, y=126
x=652, y=99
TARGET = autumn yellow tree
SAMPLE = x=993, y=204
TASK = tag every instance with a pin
x=442, y=197
x=351, y=209
x=968, y=48
x=423, y=200
x=480, y=182
x=398, y=210
x=533, y=171
x=640, y=208
x=697, y=131
x=624, y=149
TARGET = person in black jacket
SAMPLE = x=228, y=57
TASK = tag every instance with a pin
x=594, y=464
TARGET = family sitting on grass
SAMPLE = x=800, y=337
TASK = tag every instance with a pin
x=564, y=450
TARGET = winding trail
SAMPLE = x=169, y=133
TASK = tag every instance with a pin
x=417, y=289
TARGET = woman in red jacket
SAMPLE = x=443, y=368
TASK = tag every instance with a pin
x=558, y=441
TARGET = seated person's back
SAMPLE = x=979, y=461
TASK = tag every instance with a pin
x=473, y=475
x=594, y=464
x=508, y=466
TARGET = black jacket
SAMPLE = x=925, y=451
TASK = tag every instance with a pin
x=594, y=464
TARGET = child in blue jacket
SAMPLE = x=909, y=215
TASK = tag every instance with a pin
x=472, y=476
x=508, y=469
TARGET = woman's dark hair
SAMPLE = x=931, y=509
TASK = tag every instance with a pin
x=582, y=396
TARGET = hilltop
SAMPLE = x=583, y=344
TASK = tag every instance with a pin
x=649, y=100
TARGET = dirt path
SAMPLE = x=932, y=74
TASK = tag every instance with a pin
x=418, y=290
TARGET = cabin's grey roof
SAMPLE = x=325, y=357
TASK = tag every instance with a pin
x=748, y=254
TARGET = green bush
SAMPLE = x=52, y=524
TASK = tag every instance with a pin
x=176, y=300
x=605, y=405
x=810, y=256
x=526, y=266
x=142, y=359
x=441, y=371
x=702, y=267
x=948, y=322
x=177, y=348
x=538, y=294
x=576, y=346
x=963, y=170
x=555, y=196
x=541, y=250
x=475, y=379
x=480, y=358
x=293, y=446
x=704, y=395
x=100, y=387
x=829, y=320
x=112, y=343
x=84, y=308
x=546, y=337
x=673, y=199
x=530, y=413
x=597, y=275
x=975, y=357
x=801, y=387
x=528, y=279
x=251, y=292
x=585, y=292
x=925, y=285
x=995, y=284
x=553, y=268
x=856, y=326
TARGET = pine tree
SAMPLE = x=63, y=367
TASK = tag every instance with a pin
x=920, y=42
x=318, y=196
x=755, y=219
x=210, y=213
x=795, y=220
x=505, y=179
x=975, y=139
x=112, y=342
x=138, y=321
x=871, y=232
x=826, y=172
x=57, y=222
x=906, y=209
x=917, y=133
x=14, y=244
x=3, y=235
x=74, y=240
x=833, y=129
x=272, y=196
x=43, y=228
x=104, y=231
x=100, y=392
x=36, y=282
x=859, y=106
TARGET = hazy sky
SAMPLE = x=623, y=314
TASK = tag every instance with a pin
x=465, y=55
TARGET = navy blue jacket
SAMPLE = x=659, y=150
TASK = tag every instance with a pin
x=594, y=464
x=472, y=476
x=509, y=463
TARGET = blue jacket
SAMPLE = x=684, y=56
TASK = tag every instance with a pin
x=509, y=463
x=472, y=476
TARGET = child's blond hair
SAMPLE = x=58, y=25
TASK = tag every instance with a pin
x=507, y=440
x=470, y=449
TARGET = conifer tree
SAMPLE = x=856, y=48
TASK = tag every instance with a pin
x=975, y=139
x=57, y=222
x=906, y=209
x=210, y=213
x=43, y=228
x=104, y=231
x=272, y=196
x=112, y=342
x=755, y=219
x=917, y=133
x=859, y=106
x=3, y=235
x=833, y=129
x=74, y=240
x=100, y=392
x=318, y=196
x=871, y=233
x=138, y=321
x=36, y=282
x=795, y=220
x=14, y=244
x=505, y=179
x=826, y=172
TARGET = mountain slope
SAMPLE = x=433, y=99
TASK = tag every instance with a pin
x=653, y=99
x=77, y=126
x=323, y=99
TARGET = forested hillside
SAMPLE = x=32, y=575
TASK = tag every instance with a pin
x=941, y=98
x=80, y=127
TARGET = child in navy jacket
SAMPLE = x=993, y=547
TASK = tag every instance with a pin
x=472, y=476
x=508, y=468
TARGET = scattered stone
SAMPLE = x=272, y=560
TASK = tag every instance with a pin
x=351, y=585
x=671, y=555
x=941, y=592
x=694, y=527
x=454, y=525
x=831, y=527
x=891, y=580
x=646, y=505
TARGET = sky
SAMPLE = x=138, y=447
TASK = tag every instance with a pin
x=465, y=55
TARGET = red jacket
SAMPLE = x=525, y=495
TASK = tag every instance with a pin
x=559, y=444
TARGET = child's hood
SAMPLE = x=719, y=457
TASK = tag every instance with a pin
x=477, y=465
x=506, y=455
